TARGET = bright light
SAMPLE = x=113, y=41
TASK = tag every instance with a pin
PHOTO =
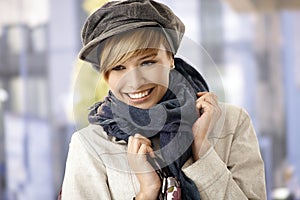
x=280, y=193
x=3, y=95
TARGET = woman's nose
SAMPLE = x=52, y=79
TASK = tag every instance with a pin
x=135, y=78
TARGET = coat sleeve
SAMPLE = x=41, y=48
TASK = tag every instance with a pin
x=83, y=170
x=241, y=177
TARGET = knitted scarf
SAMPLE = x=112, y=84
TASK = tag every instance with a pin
x=171, y=120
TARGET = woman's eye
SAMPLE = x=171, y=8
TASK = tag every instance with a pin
x=147, y=63
x=118, y=68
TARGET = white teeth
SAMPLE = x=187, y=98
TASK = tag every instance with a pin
x=139, y=95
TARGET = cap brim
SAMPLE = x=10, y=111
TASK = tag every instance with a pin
x=90, y=52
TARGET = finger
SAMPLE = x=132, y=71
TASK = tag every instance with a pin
x=129, y=146
x=209, y=97
x=199, y=100
x=213, y=111
x=214, y=99
x=203, y=96
x=203, y=105
x=201, y=93
x=144, y=149
x=144, y=165
x=152, y=154
x=138, y=161
x=143, y=138
x=135, y=143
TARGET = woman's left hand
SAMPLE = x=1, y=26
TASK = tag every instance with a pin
x=210, y=112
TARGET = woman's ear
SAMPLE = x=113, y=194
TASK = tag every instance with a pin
x=172, y=63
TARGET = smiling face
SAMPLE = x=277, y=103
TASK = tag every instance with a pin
x=137, y=72
x=142, y=80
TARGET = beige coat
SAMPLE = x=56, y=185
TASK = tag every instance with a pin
x=233, y=169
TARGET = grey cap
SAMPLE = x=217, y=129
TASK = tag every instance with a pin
x=119, y=16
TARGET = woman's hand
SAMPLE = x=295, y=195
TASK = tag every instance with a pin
x=208, y=106
x=138, y=147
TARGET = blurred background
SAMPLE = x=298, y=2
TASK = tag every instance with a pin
x=45, y=91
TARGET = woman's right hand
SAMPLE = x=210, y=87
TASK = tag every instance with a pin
x=138, y=147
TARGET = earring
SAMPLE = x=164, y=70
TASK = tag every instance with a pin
x=173, y=67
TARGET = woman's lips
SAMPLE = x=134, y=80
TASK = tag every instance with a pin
x=141, y=96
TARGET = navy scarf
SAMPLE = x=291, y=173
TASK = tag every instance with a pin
x=171, y=120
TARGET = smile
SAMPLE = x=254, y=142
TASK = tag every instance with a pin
x=140, y=95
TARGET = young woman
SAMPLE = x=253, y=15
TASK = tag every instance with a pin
x=158, y=117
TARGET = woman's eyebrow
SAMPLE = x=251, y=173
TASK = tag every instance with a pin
x=150, y=55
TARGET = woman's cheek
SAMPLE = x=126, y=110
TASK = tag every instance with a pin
x=158, y=75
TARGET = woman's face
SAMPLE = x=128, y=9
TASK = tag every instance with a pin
x=142, y=80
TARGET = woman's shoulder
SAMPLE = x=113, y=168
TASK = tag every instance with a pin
x=232, y=117
x=96, y=140
x=234, y=112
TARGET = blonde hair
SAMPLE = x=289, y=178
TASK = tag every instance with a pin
x=119, y=48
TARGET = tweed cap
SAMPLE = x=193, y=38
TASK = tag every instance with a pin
x=119, y=16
